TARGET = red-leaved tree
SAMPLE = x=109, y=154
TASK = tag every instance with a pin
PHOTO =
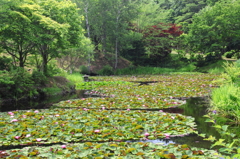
x=160, y=39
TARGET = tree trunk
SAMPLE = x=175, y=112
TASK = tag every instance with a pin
x=21, y=60
x=88, y=31
x=44, y=55
x=116, y=54
x=116, y=41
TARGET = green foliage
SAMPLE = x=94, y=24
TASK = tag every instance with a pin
x=215, y=29
x=189, y=68
x=229, y=54
x=5, y=63
x=84, y=69
x=75, y=78
x=106, y=70
x=53, y=69
x=50, y=91
x=16, y=84
x=16, y=35
x=226, y=101
x=216, y=70
x=133, y=70
x=38, y=77
x=232, y=74
x=182, y=11
x=229, y=141
x=237, y=63
x=215, y=67
x=40, y=27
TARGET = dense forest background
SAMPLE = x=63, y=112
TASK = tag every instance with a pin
x=46, y=36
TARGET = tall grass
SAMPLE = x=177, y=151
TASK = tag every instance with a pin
x=216, y=70
x=226, y=101
x=74, y=78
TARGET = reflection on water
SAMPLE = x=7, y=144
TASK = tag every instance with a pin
x=40, y=103
x=195, y=107
x=157, y=141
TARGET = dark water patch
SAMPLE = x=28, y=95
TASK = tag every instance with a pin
x=41, y=103
x=197, y=108
x=9, y=147
x=204, y=98
x=144, y=82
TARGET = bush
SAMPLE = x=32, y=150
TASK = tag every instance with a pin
x=232, y=74
x=237, y=63
x=106, y=71
x=16, y=84
x=188, y=68
x=38, y=77
x=53, y=69
x=5, y=63
x=84, y=69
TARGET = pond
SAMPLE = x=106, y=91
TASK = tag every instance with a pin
x=128, y=120
x=195, y=107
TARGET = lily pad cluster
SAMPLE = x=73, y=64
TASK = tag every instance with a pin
x=115, y=150
x=68, y=125
x=121, y=103
x=174, y=86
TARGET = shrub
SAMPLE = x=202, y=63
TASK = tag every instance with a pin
x=38, y=77
x=16, y=84
x=232, y=74
x=106, y=71
x=5, y=63
x=84, y=69
x=52, y=69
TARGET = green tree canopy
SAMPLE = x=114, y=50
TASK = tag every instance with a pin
x=45, y=27
x=16, y=30
x=216, y=29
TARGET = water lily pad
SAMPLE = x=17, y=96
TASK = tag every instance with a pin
x=112, y=150
x=64, y=125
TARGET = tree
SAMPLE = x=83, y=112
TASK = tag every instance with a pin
x=216, y=29
x=183, y=10
x=72, y=56
x=58, y=27
x=107, y=23
x=150, y=13
x=16, y=30
x=159, y=40
x=46, y=27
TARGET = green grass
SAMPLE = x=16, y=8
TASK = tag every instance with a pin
x=143, y=70
x=75, y=78
x=226, y=101
x=52, y=90
x=214, y=68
